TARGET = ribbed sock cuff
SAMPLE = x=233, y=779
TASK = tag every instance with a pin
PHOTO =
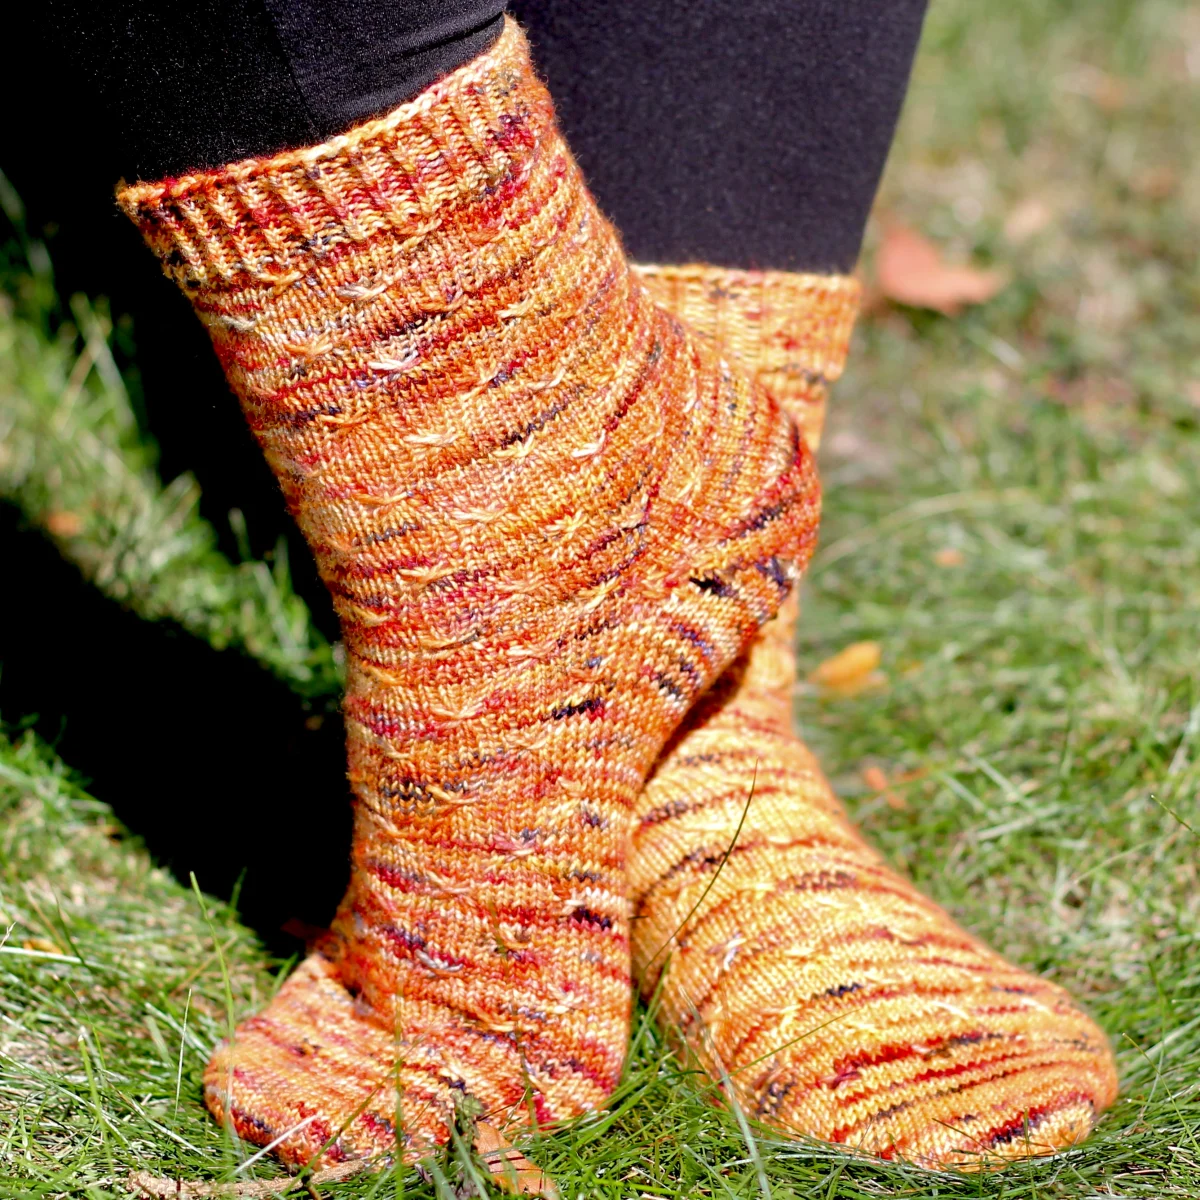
x=407, y=173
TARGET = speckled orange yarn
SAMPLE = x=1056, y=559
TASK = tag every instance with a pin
x=840, y=1002
x=549, y=519
x=791, y=330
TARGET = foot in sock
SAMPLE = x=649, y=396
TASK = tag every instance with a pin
x=549, y=519
x=836, y=1000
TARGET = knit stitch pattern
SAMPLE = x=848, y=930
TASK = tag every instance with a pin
x=832, y=998
x=549, y=519
x=791, y=330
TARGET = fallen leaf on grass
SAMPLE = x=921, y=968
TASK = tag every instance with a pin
x=64, y=524
x=877, y=781
x=909, y=269
x=851, y=670
x=161, y=1187
x=949, y=556
x=874, y=778
x=45, y=945
x=511, y=1170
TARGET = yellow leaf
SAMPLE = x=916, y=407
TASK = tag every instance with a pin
x=850, y=670
x=45, y=945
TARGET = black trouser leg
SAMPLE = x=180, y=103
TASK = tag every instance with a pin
x=189, y=84
x=744, y=133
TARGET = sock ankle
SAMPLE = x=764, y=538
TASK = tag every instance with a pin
x=790, y=331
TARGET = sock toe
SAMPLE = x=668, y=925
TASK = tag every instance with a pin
x=969, y=1088
x=322, y=1077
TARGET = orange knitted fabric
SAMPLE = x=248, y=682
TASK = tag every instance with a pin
x=549, y=519
x=791, y=330
x=836, y=1000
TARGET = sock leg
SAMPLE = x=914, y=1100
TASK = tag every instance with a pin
x=549, y=519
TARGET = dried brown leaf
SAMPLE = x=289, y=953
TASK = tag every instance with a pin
x=909, y=269
x=511, y=1170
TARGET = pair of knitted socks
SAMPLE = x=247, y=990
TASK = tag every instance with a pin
x=558, y=524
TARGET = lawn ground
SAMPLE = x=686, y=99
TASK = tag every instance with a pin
x=1013, y=501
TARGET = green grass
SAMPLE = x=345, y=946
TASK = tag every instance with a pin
x=1041, y=717
x=74, y=459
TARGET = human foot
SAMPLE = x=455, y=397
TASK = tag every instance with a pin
x=837, y=1001
x=548, y=519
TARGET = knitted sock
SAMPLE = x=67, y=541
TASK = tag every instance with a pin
x=791, y=331
x=549, y=519
x=834, y=999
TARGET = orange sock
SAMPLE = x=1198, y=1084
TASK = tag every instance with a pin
x=791, y=331
x=835, y=999
x=549, y=519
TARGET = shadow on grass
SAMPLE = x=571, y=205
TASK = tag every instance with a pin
x=202, y=754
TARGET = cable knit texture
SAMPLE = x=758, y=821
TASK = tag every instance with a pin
x=830, y=997
x=549, y=519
